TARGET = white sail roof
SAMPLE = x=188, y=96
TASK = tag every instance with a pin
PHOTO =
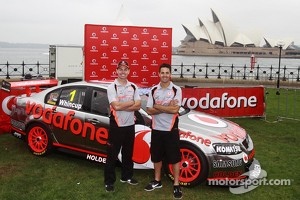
x=221, y=31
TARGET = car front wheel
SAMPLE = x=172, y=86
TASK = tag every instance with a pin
x=193, y=166
x=38, y=139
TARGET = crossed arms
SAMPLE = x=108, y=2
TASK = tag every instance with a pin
x=171, y=108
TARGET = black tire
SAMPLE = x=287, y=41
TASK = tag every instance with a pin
x=193, y=166
x=38, y=139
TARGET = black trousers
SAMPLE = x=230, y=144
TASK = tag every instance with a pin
x=119, y=137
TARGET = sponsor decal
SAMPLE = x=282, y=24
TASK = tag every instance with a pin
x=207, y=120
x=5, y=106
x=233, y=134
x=96, y=158
x=67, y=122
x=251, y=155
x=245, y=158
x=69, y=104
x=227, y=174
x=227, y=149
x=141, y=150
x=189, y=135
x=227, y=163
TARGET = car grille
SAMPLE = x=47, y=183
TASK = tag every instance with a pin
x=17, y=124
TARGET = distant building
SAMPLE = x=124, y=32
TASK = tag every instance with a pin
x=220, y=37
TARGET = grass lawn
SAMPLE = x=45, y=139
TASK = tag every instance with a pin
x=60, y=176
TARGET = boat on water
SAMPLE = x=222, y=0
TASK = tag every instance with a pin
x=202, y=48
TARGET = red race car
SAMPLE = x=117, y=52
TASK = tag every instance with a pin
x=75, y=117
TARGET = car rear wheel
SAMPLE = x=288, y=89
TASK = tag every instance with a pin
x=193, y=166
x=38, y=139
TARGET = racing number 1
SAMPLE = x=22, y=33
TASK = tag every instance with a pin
x=72, y=95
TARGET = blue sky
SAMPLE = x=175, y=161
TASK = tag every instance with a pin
x=62, y=21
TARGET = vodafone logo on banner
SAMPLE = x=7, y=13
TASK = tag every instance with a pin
x=144, y=48
x=226, y=102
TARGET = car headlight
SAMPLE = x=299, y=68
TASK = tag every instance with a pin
x=246, y=142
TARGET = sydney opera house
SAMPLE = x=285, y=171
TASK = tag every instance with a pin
x=220, y=38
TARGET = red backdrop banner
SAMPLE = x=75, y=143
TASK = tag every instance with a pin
x=144, y=48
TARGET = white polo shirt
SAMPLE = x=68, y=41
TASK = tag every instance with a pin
x=123, y=93
x=163, y=96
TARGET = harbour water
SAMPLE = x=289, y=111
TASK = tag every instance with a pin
x=235, y=61
x=28, y=55
x=41, y=55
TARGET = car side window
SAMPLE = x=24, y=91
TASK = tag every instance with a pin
x=99, y=104
x=52, y=97
x=72, y=98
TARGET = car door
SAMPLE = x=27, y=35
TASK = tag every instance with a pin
x=97, y=115
x=68, y=116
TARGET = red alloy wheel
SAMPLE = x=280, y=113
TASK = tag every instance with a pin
x=190, y=166
x=193, y=166
x=38, y=140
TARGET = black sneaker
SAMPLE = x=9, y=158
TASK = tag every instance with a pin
x=131, y=181
x=109, y=188
x=153, y=185
x=177, y=193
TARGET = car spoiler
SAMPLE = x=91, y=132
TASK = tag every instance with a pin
x=9, y=90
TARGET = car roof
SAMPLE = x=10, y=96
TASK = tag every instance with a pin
x=101, y=83
x=143, y=90
x=90, y=83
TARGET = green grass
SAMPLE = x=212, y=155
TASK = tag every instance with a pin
x=283, y=103
x=60, y=176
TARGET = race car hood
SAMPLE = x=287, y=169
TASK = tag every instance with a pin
x=214, y=128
